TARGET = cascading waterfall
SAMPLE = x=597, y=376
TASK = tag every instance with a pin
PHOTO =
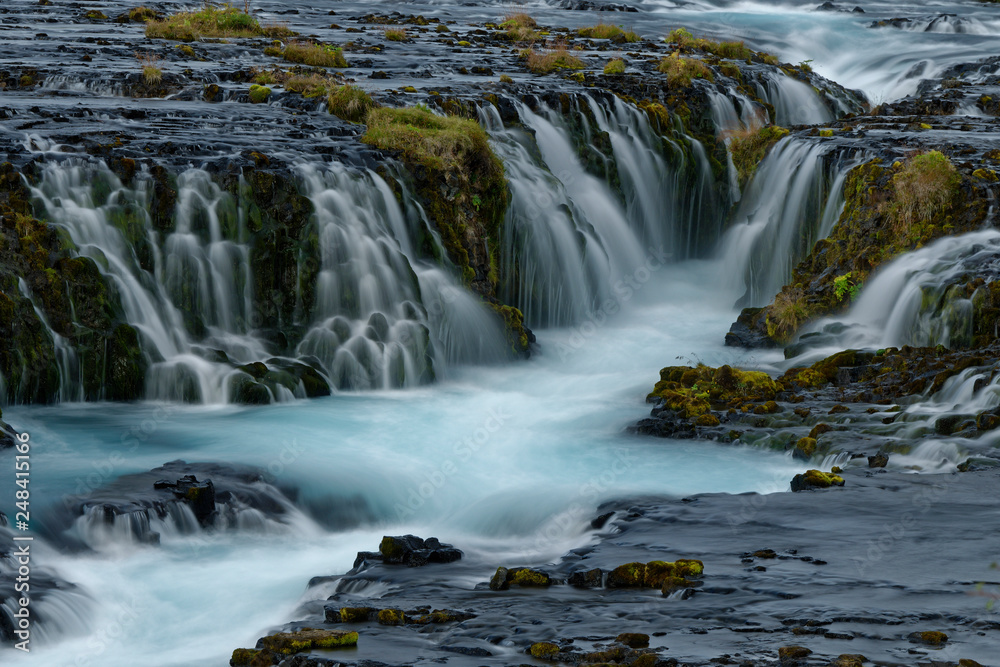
x=568, y=237
x=794, y=199
x=70, y=384
x=385, y=319
x=917, y=299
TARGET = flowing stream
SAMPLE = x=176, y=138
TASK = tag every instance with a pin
x=432, y=428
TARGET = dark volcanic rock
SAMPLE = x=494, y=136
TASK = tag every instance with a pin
x=413, y=551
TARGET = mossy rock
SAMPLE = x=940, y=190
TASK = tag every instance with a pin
x=815, y=479
x=356, y=614
x=391, y=617
x=529, y=578
x=629, y=575
x=805, y=448
x=929, y=638
x=633, y=639
x=288, y=643
x=693, y=392
x=544, y=650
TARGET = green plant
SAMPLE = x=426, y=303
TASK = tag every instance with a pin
x=520, y=27
x=685, y=40
x=805, y=66
x=608, y=31
x=925, y=186
x=259, y=94
x=211, y=21
x=350, y=103
x=615, y=67
x=749, y=145
x=316, y=55
x=844, y=285
x=681, y=71
x=395, y=34
x=151, y=72
x=543, y=62
x=476, y=202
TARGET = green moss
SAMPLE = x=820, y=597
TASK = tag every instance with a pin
x=682, y=71
x=243, y=657
x=707, y=419
x=614, y=67
x=749, y=148
x=629, y=575
x=391, y=617
x=259, y=94
x=355, y=614
x=95, y=15
x=692, y=392
x=211, y=21
x=806, y=447
x=545, y=650
x=530, y=578
x=288, y=643
x=815, y=479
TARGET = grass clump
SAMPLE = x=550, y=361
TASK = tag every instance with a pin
x=685, y=40
x=615, y=67
x=307, y=85
x=788, y=312
x=395, y=34
x=609, y=31
x=350, y=103
x=141, y=14
x=211, y=21
x=682, y=71
x=151, y=72
x=520, y=27
x=749, y=146
x=543, y=62
x=315, y=55
x=923, y=188
x=423, y=137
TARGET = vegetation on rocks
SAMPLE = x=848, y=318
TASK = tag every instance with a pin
x=889, y=210
x=692, y=392
x=749, y=147
x=610, y=31
x=210, y=21
x=350, y=103
x=550, y=60
x=615, y=67
x=308, y=53
x=682, y=71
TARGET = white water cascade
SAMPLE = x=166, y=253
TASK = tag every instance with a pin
x=793, y=200
x=569, y=237
x=914, y=300
x=384, y=318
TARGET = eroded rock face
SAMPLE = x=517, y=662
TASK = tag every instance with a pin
x=192, y=496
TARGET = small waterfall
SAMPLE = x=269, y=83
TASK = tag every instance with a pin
x=383, y=318
x=70, y=383
x=793, y=200
x=917, y=299
x=795, y=102
x=571, y=236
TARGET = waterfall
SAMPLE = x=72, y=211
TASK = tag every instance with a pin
x=569, y=235
x=383, y=317
x=380, y=316
x=916, y=299
x=793, y=200
x=70, y=384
